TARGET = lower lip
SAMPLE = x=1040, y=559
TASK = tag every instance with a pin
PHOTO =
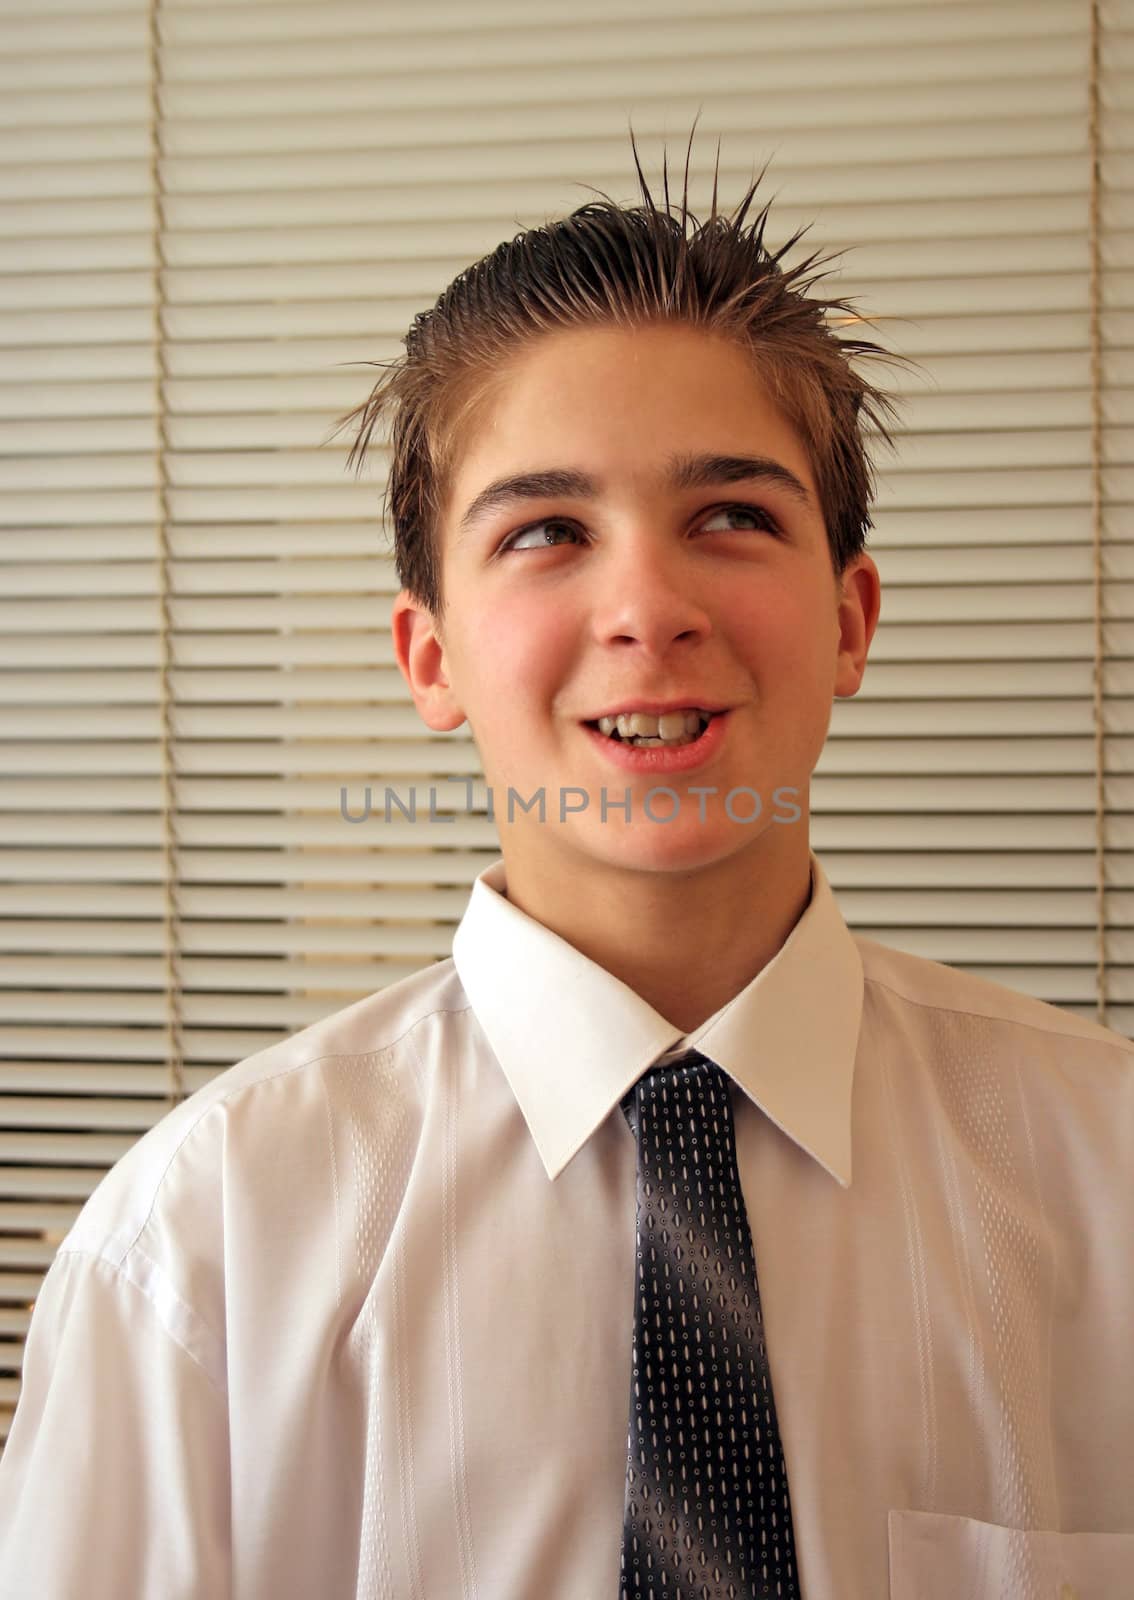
x=656, y=758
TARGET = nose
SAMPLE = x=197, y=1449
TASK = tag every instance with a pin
x=648, y=597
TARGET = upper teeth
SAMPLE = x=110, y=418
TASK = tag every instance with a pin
x=641, y=724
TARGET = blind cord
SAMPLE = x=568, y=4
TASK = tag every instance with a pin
x=171, y=880
x=1094, y=236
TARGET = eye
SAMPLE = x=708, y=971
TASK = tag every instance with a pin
x=545, y=542
x=512, y=542
x=758, y=515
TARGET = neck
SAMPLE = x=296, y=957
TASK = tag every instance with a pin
x=685, y=941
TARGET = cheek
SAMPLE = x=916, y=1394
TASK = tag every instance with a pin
x=534, y=637
x=774, y=622
x=788, y=640
x=519, y=659
x=800, y=615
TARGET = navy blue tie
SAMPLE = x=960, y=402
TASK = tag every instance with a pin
x=707, y=1514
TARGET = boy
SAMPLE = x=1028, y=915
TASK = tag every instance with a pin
x=670, y=1240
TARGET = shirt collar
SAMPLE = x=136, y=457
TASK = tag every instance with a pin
x=572, y=1039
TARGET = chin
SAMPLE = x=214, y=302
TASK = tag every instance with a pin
x=647, y=846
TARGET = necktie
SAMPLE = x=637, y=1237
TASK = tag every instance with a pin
x=707, y=1514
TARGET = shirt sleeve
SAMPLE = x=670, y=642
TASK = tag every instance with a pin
x=114, y=1483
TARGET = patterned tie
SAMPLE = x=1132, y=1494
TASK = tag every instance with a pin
x=707, y=1513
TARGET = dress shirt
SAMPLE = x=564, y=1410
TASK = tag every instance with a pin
x=355, y=1319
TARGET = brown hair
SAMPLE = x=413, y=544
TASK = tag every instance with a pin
x=607, y=264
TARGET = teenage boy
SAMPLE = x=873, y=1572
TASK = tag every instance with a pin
x=670, y=1240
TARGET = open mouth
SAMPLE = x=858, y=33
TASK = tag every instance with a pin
x=621, y=730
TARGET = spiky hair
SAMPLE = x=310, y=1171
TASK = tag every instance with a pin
x=628, y=267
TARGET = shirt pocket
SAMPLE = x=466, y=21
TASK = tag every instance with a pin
x=934, y=1557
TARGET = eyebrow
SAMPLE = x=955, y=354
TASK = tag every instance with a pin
x=681, y=472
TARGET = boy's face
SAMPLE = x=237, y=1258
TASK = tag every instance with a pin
x=643, y=592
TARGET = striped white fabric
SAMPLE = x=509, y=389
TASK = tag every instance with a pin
x=356, y=1322
x=211, y=214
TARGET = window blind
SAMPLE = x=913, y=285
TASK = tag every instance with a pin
x=212, y=214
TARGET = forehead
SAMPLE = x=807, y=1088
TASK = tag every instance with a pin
x=624, y=406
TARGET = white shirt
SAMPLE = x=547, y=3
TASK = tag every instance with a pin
x=355, y=1319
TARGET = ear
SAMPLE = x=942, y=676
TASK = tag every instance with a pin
x=420, y=654
x=860, y=601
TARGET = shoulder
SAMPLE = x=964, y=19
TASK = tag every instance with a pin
x=380, y=1024
x=243, y=1192
x=287, y=1094
x=931, y=996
